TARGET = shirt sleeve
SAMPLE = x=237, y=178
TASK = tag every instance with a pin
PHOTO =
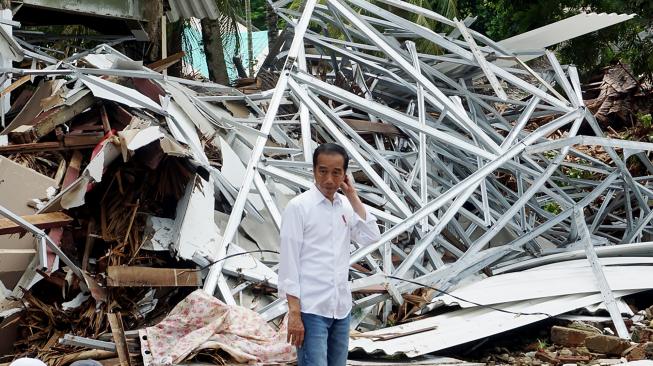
x=291, y=235
x=365, y=232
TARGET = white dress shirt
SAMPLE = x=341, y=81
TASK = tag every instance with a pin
x=315, y=239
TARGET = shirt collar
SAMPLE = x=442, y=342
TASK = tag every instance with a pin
x=317, y=197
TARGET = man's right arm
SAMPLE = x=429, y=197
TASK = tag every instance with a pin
x=295, y=324
x=292, y=238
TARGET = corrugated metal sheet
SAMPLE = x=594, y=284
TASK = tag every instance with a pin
x=466, y=325
x=534, y=293
x=123, y=9
x=626, y=250
x=192, y=9
x=429, y=360
x=549, y=282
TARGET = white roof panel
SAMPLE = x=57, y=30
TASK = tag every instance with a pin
x=466, y=325
x=562, y=30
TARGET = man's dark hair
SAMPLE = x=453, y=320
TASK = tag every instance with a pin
x=330, y=148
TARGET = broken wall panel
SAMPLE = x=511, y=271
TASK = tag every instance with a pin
x=18, y=186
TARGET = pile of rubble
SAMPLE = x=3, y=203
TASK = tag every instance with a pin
x=572, y=339
x=136, y=189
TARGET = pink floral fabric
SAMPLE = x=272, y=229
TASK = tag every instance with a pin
x=203, y=322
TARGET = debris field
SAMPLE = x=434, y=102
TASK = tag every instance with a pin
x=141, y=211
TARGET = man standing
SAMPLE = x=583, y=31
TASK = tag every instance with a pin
x=317, y=228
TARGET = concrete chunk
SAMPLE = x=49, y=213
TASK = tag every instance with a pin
x=641, y=335
x=569, y=337
x=635, y=353
x=609, y=345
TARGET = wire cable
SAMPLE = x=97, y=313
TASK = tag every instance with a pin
x=460, y=298
x=236, y=255
x=518, y=313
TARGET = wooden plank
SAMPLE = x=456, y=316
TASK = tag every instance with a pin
x=164, y=63
x=74, y=167
x=90, y=240
x=364, y=127
x=42, y=221
x=15, y=85
x=17, y=251
x=375, y=289
x=61, y=171
x=33, y=147
x=48, y=121
x=40, y=146
x=105, y=119
x=124, y=276
x=82, y=139
x=118, y=331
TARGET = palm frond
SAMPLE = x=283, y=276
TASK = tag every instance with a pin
x=446, y=8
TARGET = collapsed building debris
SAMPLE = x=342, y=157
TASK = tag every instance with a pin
x=493, y=211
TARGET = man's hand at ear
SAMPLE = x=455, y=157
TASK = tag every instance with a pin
x=349, y=191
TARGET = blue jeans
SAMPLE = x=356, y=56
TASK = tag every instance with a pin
x=326, y=341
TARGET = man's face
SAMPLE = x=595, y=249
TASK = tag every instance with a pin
x=329, y=173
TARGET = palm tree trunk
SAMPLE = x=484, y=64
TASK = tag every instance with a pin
x=153, y=13
x=174, y=45
x=214, y=51
x=250, y=45
x=271, y=20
